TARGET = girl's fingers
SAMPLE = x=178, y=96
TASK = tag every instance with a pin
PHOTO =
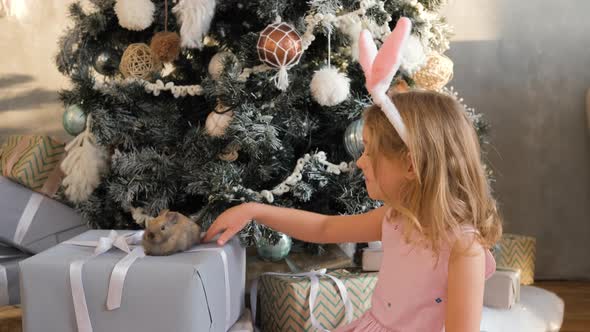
x=215, y=229
x=228, y=234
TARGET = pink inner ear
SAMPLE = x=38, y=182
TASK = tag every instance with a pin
x=367, y=52
x=387, y=61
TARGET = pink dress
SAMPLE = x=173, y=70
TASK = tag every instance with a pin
x=411, y=292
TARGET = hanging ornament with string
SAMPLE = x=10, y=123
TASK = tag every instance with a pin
x=280, y=47
x=329, y=87
x=165, y=45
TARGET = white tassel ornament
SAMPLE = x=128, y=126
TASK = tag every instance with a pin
x=135, y=15
x=329, y=87
x=83, y=166
x=195, y=18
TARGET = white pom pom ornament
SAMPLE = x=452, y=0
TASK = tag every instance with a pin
x=135, y=15
x=329, y=87
x=413, y=55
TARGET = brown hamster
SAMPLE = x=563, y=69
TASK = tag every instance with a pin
x=170, y=232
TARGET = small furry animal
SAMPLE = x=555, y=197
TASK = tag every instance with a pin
x=170, y=232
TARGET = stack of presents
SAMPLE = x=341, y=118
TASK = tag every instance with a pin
x=71, y=278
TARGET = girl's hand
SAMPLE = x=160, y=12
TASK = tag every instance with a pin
x=229, y=223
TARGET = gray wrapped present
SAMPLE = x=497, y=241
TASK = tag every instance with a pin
x=502, y=289
x=9, y=275
x=33, y=222
x=99, y=281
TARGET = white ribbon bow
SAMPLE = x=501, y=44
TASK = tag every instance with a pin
x=314, y=277
x=118, y=274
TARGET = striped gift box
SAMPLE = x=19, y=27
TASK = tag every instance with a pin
x=33, y=161
x=517, y=252
x=284, y=301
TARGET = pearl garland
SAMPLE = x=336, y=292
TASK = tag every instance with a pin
x=295, y=177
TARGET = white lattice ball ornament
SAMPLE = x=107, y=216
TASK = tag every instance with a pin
x=218, y=121
x=280, y=47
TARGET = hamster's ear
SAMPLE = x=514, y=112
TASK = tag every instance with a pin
x=172, y=217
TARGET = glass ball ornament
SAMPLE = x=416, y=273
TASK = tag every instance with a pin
x=353, y=138
x=273, y=253
x=74, y=120
x=107, y=62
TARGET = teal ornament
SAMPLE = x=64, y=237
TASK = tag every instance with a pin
x=74, y=120
x=353, y=138
x=106, y=62
x=273, y=253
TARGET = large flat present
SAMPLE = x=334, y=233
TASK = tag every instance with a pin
x=33, y=161
x=10, y=275
x=33, y=222
x=539, y=310
x=190, y=291
x=284, y=300
x=502, y=289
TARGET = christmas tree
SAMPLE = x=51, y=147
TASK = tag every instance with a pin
x=198, y=105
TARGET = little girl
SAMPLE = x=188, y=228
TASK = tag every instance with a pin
x=422, y=159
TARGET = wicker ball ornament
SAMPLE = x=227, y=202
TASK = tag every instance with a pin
x=138, y=61
x=437, y=72
x=280, y=46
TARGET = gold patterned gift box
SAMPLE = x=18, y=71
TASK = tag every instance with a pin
x=517, y=252
x=284, y=300
x=33, y=161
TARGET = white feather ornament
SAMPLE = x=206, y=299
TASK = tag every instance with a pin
x=329, y=87
x=195, y=18
x=135, y=15
x=83, y=166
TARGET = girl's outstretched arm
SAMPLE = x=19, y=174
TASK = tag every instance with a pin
x=300, y=224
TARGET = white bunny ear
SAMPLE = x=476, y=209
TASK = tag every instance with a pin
x=367, y=53
x=388, y=60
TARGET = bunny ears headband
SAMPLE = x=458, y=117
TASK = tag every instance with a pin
x=380, y=68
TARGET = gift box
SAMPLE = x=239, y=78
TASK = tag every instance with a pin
x=284, y=300
x=517, y=252
x=372, y=256
x=33, y=222
x=33, y=161
x=70, y=287
x=502, y=289
x=10, y=275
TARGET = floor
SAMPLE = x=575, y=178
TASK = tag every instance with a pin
x=575, y=294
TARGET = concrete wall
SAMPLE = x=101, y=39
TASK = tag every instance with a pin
x=526, y=66
x=29, y=80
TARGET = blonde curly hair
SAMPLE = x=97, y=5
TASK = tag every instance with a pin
x=451, y=189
